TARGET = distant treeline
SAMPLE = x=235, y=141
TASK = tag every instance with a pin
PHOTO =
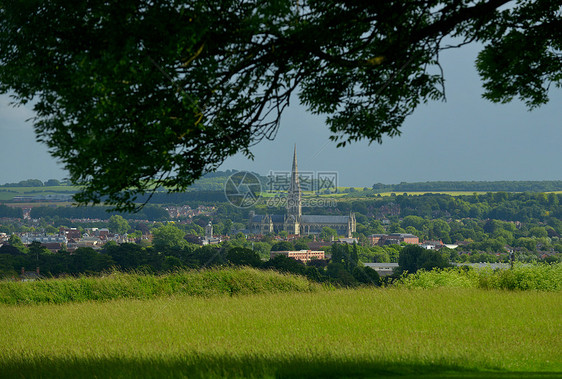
x=35, y=183
x=344, y=267
x=507, y=186
x=10, y=212
x=523, y=206
x=213, y=183
x=520, y=206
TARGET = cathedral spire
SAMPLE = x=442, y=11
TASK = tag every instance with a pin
x=295, y=185
x=295, y=170
x=294, y=195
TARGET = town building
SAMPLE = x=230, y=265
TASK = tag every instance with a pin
x=300, y=255
x=393, y=239
x=347, y=240
x=209, y=238
x=294, y=222
x=383, y=269
x=27, y=239
x=432, y=245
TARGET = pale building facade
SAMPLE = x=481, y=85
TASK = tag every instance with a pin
x=300, y=255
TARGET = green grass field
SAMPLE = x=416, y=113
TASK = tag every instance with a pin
x=452, y=332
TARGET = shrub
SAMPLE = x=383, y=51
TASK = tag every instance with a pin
x=540, y=277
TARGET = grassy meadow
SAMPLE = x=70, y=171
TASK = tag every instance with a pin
x=299, y=331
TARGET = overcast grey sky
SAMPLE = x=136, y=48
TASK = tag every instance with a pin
x=465, y=138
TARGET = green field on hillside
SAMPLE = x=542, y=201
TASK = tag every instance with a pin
x=40, y=190
x=8, y=193
x=327, y=333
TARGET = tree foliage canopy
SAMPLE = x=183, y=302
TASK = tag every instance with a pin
x=413, y=258
x=135, y=94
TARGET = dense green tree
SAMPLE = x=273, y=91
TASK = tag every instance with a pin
x=133, y=96
x=127, y=255
x=7, y=264
x=50, y=229
x=346, y=255
x=366, y=275
x=396, y=228
x=117, y=224
x=282, y=246
x=31, y=183
x=6, y=211
x=340, y=274
x=553, y=200
x=52, y=183
x=413, y=258
x=538, y=232
x=374, y=254
x=504, y=235
x=209, y=256
x=243, y=257
x=241, y=237
x=171, y=263
x=527, y=243
x=328, y=234
x=413, y=221
x=168, y=236
x=375, y=227
x=16, y=242
x=491, y=226
x=440, y=229
x=86, y=259
x=285, y=264
x=36, y=249
x=195, y=229
x=227, y=226
x=12, y=250
x=393, y=252
x=283, y=234
x=301, y=245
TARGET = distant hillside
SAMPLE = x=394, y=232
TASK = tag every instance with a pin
x=495, y=186
x=215, y=181
x=213, y=184
x=37, y=183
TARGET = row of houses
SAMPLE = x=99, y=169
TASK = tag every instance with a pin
x=185, y=211
x=72, y=239
x=398, y=238
x=393, y=239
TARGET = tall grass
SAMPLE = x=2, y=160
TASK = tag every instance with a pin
x=241, y=281
x=117, y=285
x=339, y=333
x=540, y=277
